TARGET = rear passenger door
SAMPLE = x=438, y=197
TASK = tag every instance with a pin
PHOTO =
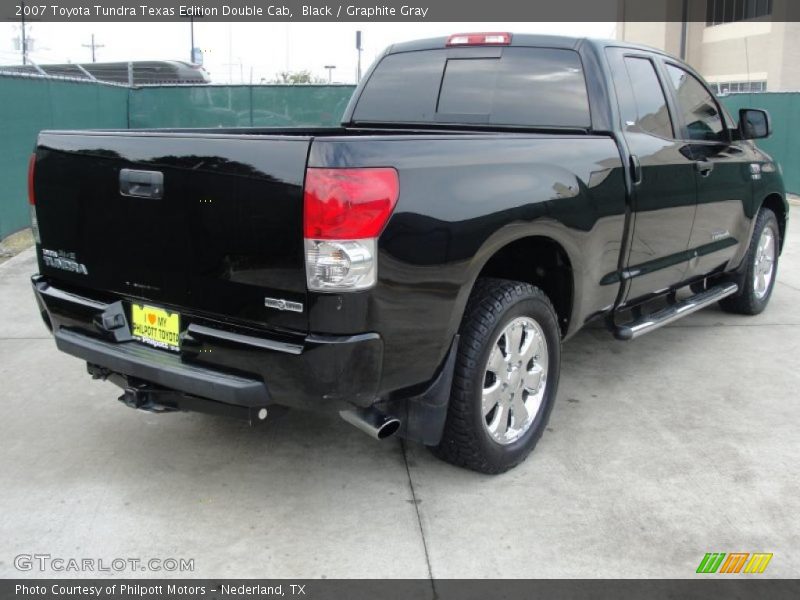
x=723, y=173
x=662, y=167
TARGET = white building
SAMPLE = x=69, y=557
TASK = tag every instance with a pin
x=737, y=45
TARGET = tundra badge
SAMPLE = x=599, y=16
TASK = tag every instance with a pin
x=64, y=261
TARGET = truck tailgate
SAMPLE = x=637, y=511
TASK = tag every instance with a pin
x=207, y=224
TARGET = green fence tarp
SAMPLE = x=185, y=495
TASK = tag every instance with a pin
x=784, y=143
x=30, y=105
x=239, y=106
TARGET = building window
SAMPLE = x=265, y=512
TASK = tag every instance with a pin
x=739, y=87
x=730, y=11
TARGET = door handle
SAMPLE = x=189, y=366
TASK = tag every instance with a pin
x=141, y=184
x=704, y=167
x=636, y=170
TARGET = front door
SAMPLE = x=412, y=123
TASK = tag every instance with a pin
x=724, y=174
x=664, y=192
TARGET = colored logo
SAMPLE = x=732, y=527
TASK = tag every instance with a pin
x=735, y=562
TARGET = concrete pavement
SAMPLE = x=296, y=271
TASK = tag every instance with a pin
x=658, y=451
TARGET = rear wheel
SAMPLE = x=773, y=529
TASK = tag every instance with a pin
x=505, y=379
x=761, y=264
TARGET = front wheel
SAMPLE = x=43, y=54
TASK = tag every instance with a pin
x=505, y=379
x=760, y=268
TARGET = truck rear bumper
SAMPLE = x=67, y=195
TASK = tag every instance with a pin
x=162, y=369
x=236, y=373
x=221, y=364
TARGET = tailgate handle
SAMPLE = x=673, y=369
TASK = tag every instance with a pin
x=141, y=184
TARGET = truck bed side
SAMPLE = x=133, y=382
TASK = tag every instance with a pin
x=462, y=199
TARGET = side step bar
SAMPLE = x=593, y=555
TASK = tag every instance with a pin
x=673, y=312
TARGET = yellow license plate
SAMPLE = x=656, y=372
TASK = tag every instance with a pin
x=155, y=326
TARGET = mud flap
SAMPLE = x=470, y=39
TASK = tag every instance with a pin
x=422, y=416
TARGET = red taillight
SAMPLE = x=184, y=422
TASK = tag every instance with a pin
x=479, y=39
x=348, y=204
x=31, y=169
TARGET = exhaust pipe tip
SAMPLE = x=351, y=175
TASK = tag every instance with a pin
x=389, y=428
x=372, y=422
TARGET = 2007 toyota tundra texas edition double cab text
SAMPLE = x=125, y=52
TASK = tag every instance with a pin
x=418, y=268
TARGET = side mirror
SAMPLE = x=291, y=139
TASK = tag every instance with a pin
x=754, y=124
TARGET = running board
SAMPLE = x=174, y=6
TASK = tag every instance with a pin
x=673, y=312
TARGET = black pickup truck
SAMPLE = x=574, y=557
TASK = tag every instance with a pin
x=418, y=268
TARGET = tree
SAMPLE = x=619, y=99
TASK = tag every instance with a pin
x=297, y=77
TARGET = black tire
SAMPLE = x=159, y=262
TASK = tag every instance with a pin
x=747, y=301
x=494, y=303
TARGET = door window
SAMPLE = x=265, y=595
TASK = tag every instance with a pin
x=699, y=109
x=645, y=109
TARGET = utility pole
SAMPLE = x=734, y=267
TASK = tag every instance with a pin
x=330, y=72
x=358, y=48
x=230, y=55
x=195, y=54
x=684, y=27
x=93, y=46
x=24, y=44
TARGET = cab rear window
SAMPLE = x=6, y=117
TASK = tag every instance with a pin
x=530, y=87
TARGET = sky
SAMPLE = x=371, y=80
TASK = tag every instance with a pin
x=244, y=52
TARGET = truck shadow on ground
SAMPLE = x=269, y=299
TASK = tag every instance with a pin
x=593, y=365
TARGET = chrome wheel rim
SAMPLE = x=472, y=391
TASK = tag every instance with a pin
x=764, y=267
x=514, y=380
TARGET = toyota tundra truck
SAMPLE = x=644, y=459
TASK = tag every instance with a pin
x=418, y=268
